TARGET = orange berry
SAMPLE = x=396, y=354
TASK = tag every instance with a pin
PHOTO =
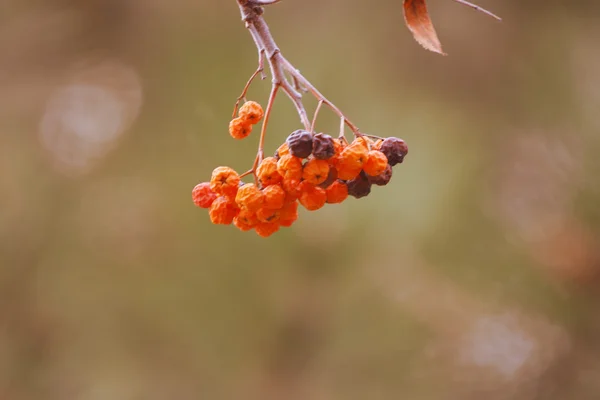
x=202, y=195
x=282, y=150
x=312, y=197
x=250, y=197
x=315, y=171
x=338, y=146
x=292, y=189
x=225, y=181
x=266, y=229
x=337, y=192
x=288, y=214
x=376, y=163
x=363, y=141
x=251, y=112
x=239, y=128
x=290, y=167
x=245, y=220
x=267, y=215
x=274, y=197
x=223, y=211
x=351, y=161
x=267, y=172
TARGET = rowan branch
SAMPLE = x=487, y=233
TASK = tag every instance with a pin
x=251, y=11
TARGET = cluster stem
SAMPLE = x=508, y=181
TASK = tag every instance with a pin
x=279, y=66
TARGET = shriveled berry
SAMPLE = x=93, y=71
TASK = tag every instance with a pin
x=337, y=192
x=383, y=178
x=312, y=197
x=225, y=181
x=331, y=177
x=395, y=150
x=376, y=163
x=288, y=214
x=223, y=211
x=251, y=112
x=245, y=220
x=323, y=147
x=274, y=197
x=250, y=197
x=290, y=167
x=360, y=186
x=267, y=215
x=300, y=143
x=239, y=128
x=315, y=171
x=267, y=172
x=266, y=229
x=202, y=195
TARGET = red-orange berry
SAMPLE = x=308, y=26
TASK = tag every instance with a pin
x=312, y=197
x=288, y=214
x=250, y=197
x=267, y=215
x=225, y=181
x=363, y=141
x=290, y=167
x=223, y=211
x=266, y=229
x=282, y=151
x=202, y=195
x=337, y=192
x=338, y=146
x=292, y=189
x=245, y=220
x=351, y=161
x=267, y=172
x=274, y=197
x=376, y=163
x=251, y=112
x=315, y=171
x=239, y=128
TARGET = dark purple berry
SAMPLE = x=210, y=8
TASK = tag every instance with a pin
x=331, y=177
x=383, y=178
x=300, y=143
x=359, y=186
x=394, y=149
x=323, y=146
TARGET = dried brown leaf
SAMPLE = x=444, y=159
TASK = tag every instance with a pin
x=418, y=21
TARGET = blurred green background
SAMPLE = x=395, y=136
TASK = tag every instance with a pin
x=474, y=273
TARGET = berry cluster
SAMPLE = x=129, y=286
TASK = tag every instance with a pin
x=307, y=169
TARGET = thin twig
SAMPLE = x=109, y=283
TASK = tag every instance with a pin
x=316, y=114
x=480, y=9
x=318, y=95
x=259, y=70
x=263, y=131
